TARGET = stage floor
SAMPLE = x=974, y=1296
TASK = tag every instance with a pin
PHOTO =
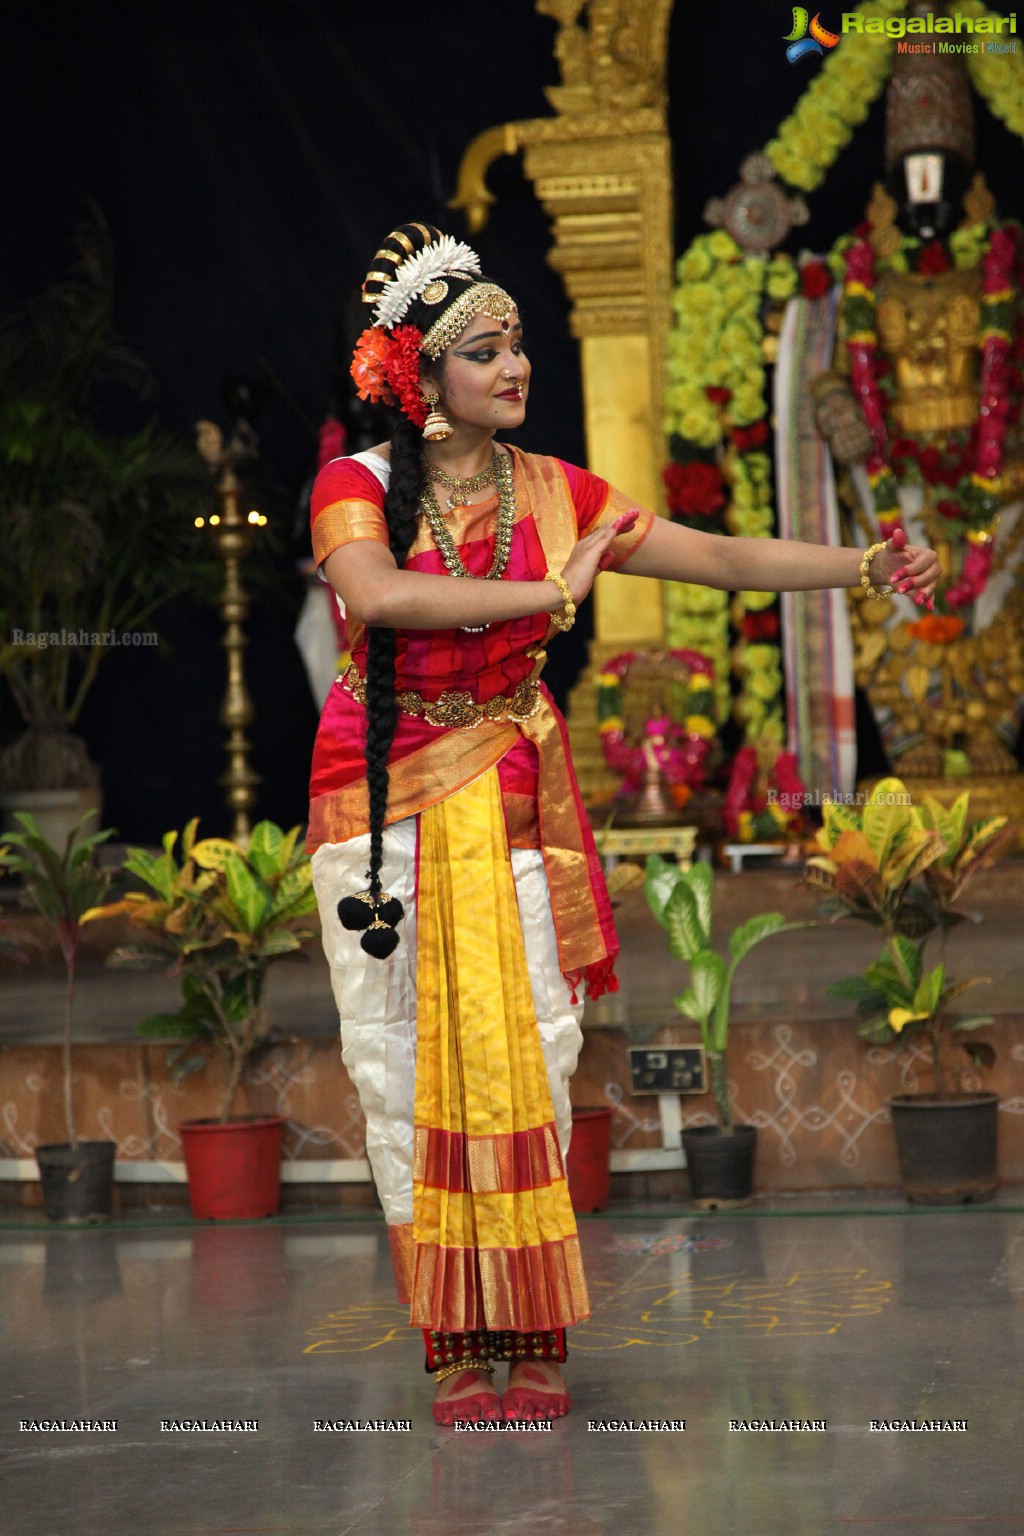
x=806, y=1312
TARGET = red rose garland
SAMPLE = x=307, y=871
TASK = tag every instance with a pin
x=972, y=472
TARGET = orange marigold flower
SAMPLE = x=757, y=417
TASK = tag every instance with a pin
x=937, y=629
x=370, y=363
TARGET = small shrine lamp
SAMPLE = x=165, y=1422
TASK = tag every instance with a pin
x=233, y=532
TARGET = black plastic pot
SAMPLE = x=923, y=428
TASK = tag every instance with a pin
x=78, y=1182
x=720, y=1165
x=947, y=1146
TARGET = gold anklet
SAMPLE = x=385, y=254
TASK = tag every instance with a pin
x=444, y=1371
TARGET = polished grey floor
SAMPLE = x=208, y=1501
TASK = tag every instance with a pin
x=803, y=1314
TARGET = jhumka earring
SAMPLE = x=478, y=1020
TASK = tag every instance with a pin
x=437, y=426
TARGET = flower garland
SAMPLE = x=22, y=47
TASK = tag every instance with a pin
x=763, y=803
x=997, y=77
x=970, y=470
x=837, y=100
x=720, y=477
x=682, y=748
x=386, y=369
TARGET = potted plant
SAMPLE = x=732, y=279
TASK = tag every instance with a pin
x=76, y=1176
x=720, y=1157
x=903, y=868
x=96, y=525
x=221, y=915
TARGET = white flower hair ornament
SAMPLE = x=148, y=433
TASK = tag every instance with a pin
x=447, y=258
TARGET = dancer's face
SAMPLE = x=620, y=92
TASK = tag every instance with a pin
x=486, y=375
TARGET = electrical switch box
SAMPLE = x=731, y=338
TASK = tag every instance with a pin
x=667, y=1069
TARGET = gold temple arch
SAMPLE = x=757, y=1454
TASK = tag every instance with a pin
x=602, y=169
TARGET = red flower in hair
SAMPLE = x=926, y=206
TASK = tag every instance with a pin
x=694, y=490
x=815, y=279
x=404, y=372
x=369, y=366
x=386, y=368
x=717, y=394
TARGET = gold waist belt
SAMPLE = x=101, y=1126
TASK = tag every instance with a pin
x=455, y=707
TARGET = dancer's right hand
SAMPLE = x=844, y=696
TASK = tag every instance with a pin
x=594, y=553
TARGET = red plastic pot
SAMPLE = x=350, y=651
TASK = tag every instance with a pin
x=234, y=1167
x=587, y=1165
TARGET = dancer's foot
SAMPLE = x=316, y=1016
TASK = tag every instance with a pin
x=466, y=1398
x=535, y=1390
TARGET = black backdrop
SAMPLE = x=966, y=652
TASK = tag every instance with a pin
x=248, y=155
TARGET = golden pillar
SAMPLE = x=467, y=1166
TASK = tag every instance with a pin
x=602, y=170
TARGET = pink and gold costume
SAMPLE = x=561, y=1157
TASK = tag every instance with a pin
x=462, y=1042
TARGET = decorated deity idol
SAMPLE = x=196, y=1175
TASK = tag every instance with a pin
x=922, y=409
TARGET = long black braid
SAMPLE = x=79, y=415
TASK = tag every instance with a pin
x=369, y=910
x=381, y=710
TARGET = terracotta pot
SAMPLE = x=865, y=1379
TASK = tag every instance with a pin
x=587, y=1165
x=234, y=1167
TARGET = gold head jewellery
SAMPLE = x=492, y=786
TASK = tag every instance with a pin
x=503, y=538
x=460, y=488
x=480, y=299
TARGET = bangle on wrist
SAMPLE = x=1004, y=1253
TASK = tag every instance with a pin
x=865, y=578
x=563, y=621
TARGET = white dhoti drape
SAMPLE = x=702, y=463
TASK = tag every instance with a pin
x=376, y=1000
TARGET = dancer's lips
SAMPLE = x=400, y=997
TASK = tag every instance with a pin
x=515, y=393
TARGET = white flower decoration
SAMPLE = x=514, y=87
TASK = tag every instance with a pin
x=449, y=257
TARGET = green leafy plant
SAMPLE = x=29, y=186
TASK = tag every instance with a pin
x=96, y=526
x=62, y=888
x=221, y=915
x=903, y=868
x=681, y=900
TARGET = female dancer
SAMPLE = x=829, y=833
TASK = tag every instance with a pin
x=463, y=907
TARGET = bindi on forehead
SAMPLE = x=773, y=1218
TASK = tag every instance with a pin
x=509, y=326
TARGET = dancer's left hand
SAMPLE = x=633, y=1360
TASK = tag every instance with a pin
x=911, y=568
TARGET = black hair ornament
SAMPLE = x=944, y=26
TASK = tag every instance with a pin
x=378, y=915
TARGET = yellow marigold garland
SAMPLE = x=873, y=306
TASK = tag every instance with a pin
x=997, y=77
x=837, y=100
x=716, y=394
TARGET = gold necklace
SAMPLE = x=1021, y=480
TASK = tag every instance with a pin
x=503, y=538
x=462, y=488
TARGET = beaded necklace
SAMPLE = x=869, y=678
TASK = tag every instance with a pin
x=502, y=466
x=460, y=488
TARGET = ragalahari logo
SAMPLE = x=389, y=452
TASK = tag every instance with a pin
x=798, y=40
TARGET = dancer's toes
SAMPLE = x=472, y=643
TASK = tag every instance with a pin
x=536, y=1391
x=467, y=1397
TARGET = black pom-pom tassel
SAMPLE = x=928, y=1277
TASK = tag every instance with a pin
x=390, y=910
x=356, y=912
x=378, y=914
x=379, y=940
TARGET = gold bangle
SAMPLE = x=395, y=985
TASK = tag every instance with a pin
x=865, y=579
x=566, y=621
x=444, y=1371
